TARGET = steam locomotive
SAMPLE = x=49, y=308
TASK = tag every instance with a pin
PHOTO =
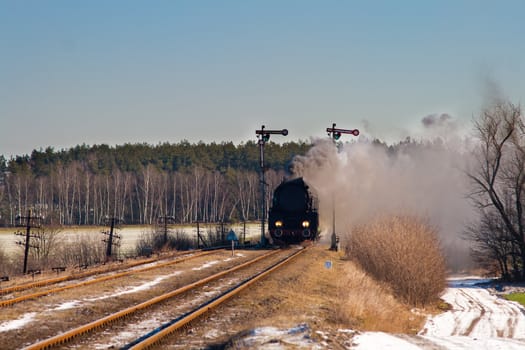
x=293, y=216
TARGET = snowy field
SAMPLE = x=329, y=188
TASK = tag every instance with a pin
x=130, y=234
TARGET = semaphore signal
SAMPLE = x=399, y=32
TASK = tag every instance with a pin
x=265, y=134
x=335, y=133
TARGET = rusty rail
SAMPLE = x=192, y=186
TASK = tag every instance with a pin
x=158, y=334
x=74, y=276
x=67, y=336
x=19, y=299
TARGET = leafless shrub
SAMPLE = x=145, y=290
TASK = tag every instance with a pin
x=154, y=242
x=80, y=250
x=217, y=236
x=50, y=247
x=402, y=251
x=180, y=240
x=144, y=245
x=7, y=267
x=43, y=246
x=214, y=235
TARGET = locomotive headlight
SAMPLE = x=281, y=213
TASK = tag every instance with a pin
x=306, y=223
x=278, y=223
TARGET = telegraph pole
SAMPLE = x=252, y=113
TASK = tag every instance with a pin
x=112, y=221
x=165, y=219
x=26, y=242
x=199, y=237
x=335, y=134
x=263, y=136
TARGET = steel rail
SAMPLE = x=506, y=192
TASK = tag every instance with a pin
x=19, y=299
x=66, y=336
x=162, y=331
x=49, y=281
x=55, y=280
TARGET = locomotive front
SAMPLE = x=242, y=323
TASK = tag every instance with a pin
x=293, y=217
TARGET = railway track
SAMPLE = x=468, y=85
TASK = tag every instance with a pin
x=110, y=275
x=156, y=336
x=79, y=275
x=163, y=314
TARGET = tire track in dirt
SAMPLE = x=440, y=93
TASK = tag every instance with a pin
x=421, y=342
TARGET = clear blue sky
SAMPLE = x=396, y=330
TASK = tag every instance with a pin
x=74, y=72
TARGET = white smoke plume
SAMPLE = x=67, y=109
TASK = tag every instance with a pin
x=365, y=179
x=443, y=120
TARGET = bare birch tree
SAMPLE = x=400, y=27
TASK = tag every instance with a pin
x=499, y=185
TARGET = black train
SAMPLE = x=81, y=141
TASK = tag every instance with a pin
x=293, y=217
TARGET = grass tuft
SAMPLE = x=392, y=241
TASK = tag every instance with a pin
x=518, y=297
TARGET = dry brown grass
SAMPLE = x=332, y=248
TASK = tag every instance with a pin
x=6, y=267
x=304, y=291
x=403, y=252
x=368, y=305
x=341, y=297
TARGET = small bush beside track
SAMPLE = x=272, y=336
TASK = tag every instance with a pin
x=404, y=252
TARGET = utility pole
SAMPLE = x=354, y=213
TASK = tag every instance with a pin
x=111, y=221
x=335, y=134
x=244, y=232
x=26, y=242
x=199, y=237
x=164, y=220
x=263, y=136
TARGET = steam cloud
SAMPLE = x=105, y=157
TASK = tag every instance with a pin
x=433, y=120
x=365, y=179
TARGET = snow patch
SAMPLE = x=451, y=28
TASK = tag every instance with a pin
x=275, y=338
x=139, y=288
x=469, y=343
x=67, y=305
x=144, y=286
x=206, y=265
x=379, y=340
x=18, y=323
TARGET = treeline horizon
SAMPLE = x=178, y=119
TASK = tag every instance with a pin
x=138, y=183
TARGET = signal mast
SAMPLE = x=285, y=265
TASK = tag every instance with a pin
x=335, y=134
x=263, y=136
